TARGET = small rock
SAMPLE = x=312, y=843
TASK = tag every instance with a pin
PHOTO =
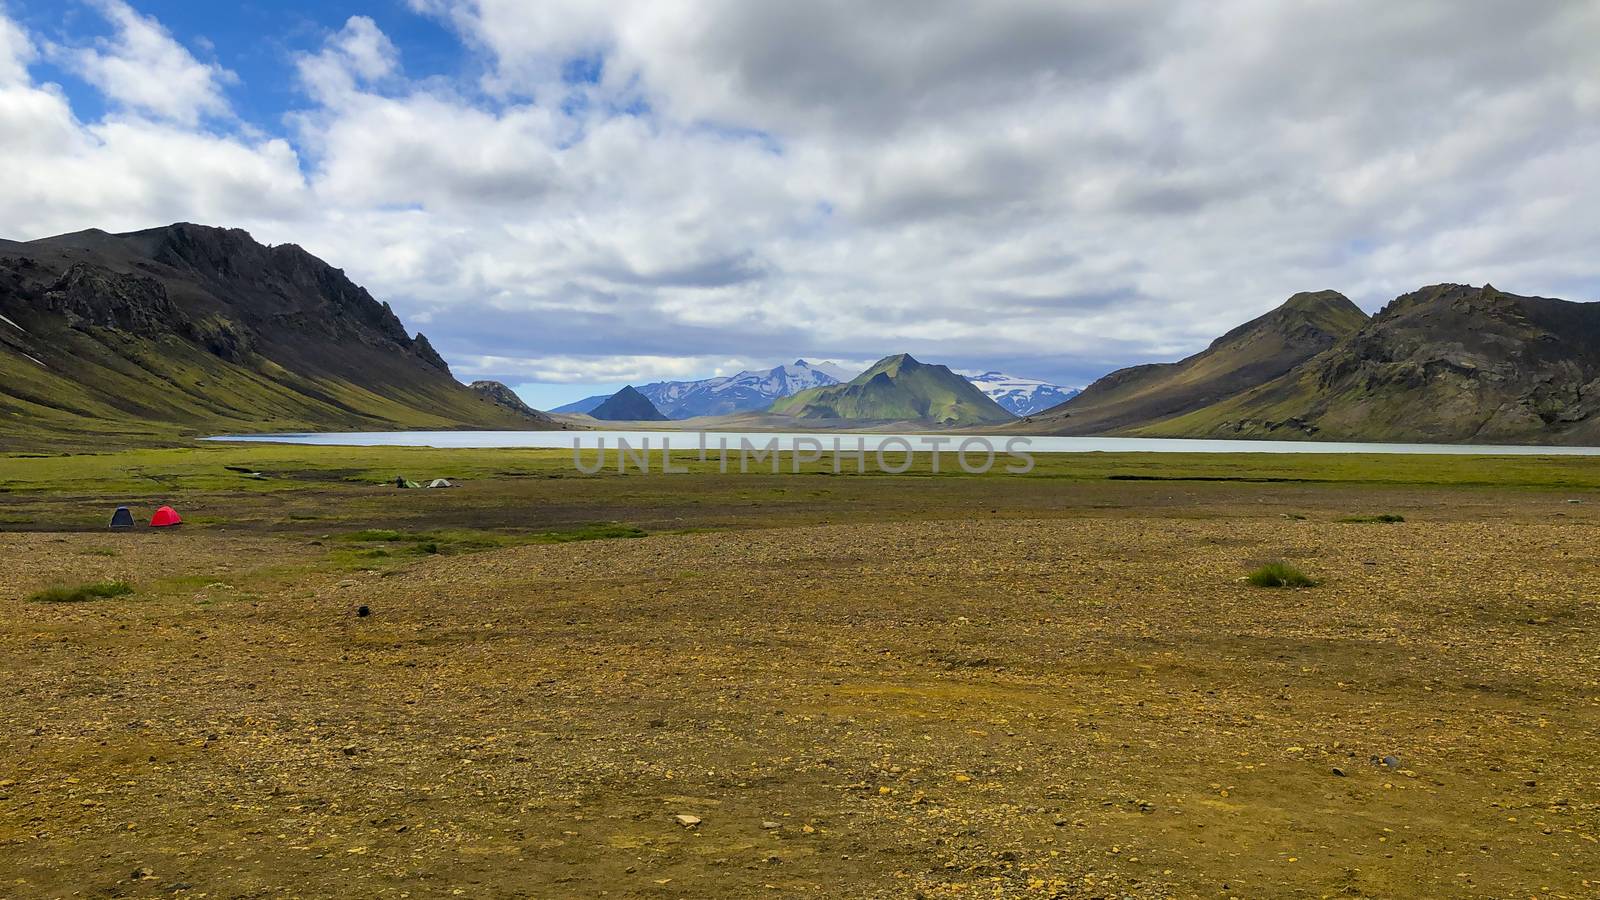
x=1338, y=771
x=363, y=612
x=770, y=825
x=1392, y=761
x=687, y=821
x=349, y=583
x=143, y=872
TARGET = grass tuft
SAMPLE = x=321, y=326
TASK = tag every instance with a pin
x=601, y=532
x=94, y=591
x=372, y=535
x=1278, y=575
x=1385, y=517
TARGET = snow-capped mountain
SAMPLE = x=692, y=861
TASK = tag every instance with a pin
x=1022, y=396
x=744, y=392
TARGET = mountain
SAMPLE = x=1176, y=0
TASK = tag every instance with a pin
x=1021, y=396
x=1447, y=363
x=498, y=393
x=585, y=406
x=898, y=389
x=187, y=329
x=744, y=392
x=1256, y=352
x=628, y=405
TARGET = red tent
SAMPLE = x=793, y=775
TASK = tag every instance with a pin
x=165, y=517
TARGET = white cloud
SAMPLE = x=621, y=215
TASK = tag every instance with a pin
x=16, y=52
x=359, y=54
x=1040, y=187
x=145, y=70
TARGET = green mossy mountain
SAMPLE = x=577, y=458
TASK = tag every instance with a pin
x=898, y=389
x=187, y=329
x=1447, y=363
x=628, y=405
x=1250, y=355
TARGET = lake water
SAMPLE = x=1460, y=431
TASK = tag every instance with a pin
x=691, y=441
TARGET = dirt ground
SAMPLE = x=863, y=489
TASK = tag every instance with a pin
x=1055, y=690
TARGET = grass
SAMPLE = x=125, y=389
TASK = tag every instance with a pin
x=373, y=535
x=1383, y=518
x=601, y=532
x=97, y=590
x=1279, y=575
x=136, y=472
x=429, y=543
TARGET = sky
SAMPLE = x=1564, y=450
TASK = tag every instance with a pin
x=570, y=195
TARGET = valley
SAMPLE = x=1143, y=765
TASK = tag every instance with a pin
x=1055, y=684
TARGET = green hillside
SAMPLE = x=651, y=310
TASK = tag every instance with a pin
x=1447, y=363
x=185, y=330
x=898, y=389
x=1246, y=357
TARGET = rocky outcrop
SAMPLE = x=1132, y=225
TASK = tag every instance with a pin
x=88, y=296
x=499, y=394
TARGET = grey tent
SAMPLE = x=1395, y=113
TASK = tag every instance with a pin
x=439, y=482
x=121, y=520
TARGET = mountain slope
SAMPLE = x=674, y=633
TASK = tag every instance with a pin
x=745, y=392
x=898, y=388
x=188, y=329
x=584, y=406
x=1445, y=363
x=1256, y=352
x=628, y=405
x=1022, y=396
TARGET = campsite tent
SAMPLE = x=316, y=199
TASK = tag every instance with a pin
x=439, y=482
x=121, y=520
x=165, y=517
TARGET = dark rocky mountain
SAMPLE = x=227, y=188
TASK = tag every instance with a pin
x=190, y=328
x=498, y=393
x=1256, y=352
x=898, y=389
x=1447, y=363
x=628, y=405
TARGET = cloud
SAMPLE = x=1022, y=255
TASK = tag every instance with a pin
x=359, y=54
x=143, y=69
x=610, y=190
x=16, y=52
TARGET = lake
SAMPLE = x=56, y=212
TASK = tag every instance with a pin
x=690, y=441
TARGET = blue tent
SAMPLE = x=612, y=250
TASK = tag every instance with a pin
x=121, y=520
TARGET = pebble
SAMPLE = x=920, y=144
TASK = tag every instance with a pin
x=686, y=820
x=363, y=612
x=1338, y=771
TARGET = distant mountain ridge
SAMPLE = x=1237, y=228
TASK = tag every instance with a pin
x=1448, y=363
x=188, y=328
x=1258, y=351
x=1022, y=396
x=898, y=389
x=746, y=391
